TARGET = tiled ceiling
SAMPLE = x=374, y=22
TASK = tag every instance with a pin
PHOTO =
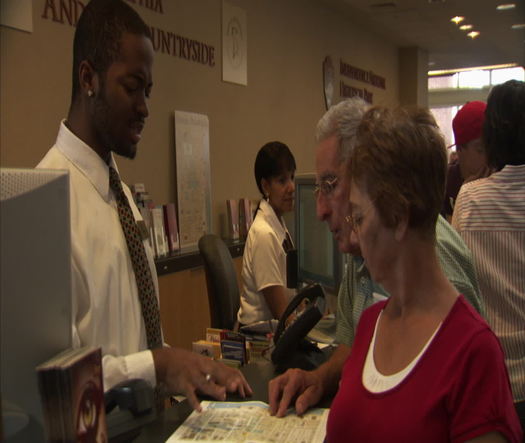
x=426, y=24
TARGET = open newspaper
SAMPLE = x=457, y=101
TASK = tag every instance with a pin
x=250, y=421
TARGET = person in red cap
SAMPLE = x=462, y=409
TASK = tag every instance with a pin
x=472, y=159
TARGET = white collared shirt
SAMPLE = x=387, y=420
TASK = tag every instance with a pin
x=106, y=310
x=263, y=264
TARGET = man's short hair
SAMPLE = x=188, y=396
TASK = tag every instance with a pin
x=504, y=128
x=400, y=158
x=342, y=120
x=98, y=34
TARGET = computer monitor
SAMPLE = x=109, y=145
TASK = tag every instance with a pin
x=319, y=259
x=35, y=296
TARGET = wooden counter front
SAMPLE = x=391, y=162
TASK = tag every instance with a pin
x=184, y=308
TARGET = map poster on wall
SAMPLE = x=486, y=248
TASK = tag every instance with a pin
x=234, y=44
x=192, y=146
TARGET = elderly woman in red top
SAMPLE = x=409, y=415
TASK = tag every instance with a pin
x=425, y=367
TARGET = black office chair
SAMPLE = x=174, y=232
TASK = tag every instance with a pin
x=221, y=281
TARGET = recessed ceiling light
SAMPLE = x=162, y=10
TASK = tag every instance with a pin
x=465, y=27
x=506, y=6
x=457, y=19
x=518, y=26
x=473, y=34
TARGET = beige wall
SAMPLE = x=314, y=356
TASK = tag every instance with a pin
x=287, y=43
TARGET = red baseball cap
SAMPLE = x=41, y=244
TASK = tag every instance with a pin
x=468, y=122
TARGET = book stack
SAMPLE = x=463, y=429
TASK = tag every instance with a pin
x=160, y=222
x=72, y=396
x=145, y=203
x=258, y=349
x=171, y=226
x=207, y=348
x=160, y=240
x=240, y=214
x=232, y=210
x=246, y=210
x=141, y=196
x=233, y=348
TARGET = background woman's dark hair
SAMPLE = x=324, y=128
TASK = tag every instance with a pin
x=99, y=30
x=504, y=127
x=273, y=159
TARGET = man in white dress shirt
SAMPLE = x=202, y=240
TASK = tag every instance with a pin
x=112, y=81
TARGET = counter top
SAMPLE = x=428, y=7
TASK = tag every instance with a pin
x=258, y=374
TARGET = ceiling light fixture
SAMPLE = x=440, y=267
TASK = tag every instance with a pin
x=505, y=6
x=465, y=27
x=473, y=34
x=518, y=26
x=457, y=19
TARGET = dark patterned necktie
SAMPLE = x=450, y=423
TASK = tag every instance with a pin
x=148, y=299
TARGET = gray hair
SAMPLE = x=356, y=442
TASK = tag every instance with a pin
x=342, y=120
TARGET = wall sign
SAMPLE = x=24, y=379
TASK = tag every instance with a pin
x=67, y=12
x=361, y=75
x=234, y=44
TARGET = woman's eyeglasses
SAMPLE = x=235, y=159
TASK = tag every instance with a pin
x=356, y=220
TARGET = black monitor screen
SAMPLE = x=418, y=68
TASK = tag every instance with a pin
x=319, y=259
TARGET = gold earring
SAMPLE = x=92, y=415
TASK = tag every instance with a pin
x=90, y=93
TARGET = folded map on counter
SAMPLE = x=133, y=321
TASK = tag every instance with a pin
x=250, y=421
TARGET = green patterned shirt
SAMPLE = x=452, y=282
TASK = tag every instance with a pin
x=358, y=291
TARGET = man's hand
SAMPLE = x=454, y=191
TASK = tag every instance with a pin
x=304, y=386
x=188, y=373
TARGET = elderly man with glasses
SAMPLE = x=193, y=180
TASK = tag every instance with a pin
x=335, y=135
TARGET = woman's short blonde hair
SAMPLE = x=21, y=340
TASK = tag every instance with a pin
x=400, y=158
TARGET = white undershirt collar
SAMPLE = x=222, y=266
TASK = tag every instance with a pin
x=376, y=382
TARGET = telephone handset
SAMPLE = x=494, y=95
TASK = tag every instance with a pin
x=289, y=339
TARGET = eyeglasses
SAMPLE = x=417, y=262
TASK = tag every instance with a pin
x=326, y=187
x=355, y=220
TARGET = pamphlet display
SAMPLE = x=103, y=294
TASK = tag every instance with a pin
x=72, y=396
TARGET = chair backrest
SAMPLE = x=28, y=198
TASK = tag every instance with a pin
x=221, y=280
